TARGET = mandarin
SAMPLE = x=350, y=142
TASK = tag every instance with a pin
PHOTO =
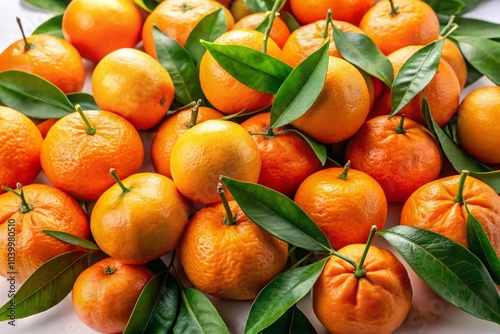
x=308, y=11
x=279, y=30
x=453, y=56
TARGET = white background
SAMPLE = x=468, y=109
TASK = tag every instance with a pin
x=429, y=313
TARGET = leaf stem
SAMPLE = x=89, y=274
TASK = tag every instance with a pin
x=268, y=132
x=25, y=206
x=296, y=264
x=230, y=217
x=267, y=32
x=459, y=198
x=27, y=45
x=194, y=114
x=112, y=171
x=345, y=258
x=90, y=129
x=448, y=32
x=448, y=25
x=347, y=166
x=400, y=128
x=360, y=271
x=394, y=9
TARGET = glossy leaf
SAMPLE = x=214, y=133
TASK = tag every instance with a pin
x=301, y=88
x=32, y=95
x=449, y=269
x=56, y=6
x=290, y=21
x=259, y=5
x=415, y=74
x=491, y=178
x=47, y=286
x=72, y=239
x=278, y=215
x=317, y=147
x=147, y=5
x=449, y=7
x=483, y=54
x=281, y=294
x=361, y=51
x=292, y=322
x=177, y=61
x=253, y=68
x=473, y=75
x=480, y=245
x=198, y=315
x=476, y=28
x=469, y=5
x=52, y=26
x=156, y=308
x=208, y=29
x=86, y=101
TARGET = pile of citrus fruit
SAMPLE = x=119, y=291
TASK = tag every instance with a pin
x=278, y=134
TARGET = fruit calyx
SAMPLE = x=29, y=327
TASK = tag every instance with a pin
x=459, y=198
x=394, y=9
x=194, y=114
x=109, y=270
x=90, y=129
x=343, y=175
x=230, y=217
x=112, y=172
x=360, y=272
x=27, y=45
x=400, y=128
x=25, y=206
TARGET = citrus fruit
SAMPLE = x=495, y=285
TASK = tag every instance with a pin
x=375, y=303
x=399, y=153
x=24, y=215
x=95, y=27
x=171, y=129
x=279, y=31
x=45, y=126
x=20, y=145
x=78, y=162
x=453, y=56
x=344, y=203
x=232, y=260
x=341, y=107
x=439, y=206
x=104, y=294
x=287, y=158
x=308, y=11
x=211, y=149
x=224, y=92
x=139, y=219
x=133, y=85
x=393, y=24
x=49, y=57
x=478, y=131
x=442, y=93
x=177, y=18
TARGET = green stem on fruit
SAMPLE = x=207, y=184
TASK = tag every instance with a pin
x=347, y=166
x=267, y=132
x=459, y=198
x=109, y=270
x=394, y=9
x=267, y=32
x=27, y=45
x=25, y=206
x=345, y=258
x=400, y=128
x=90, y=129
x=112, y=171
x=328, y=21
x=194, y=114
x=360, y=271
x=230, y=217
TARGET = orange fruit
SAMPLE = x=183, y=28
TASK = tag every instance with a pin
x=344, y=203
x=279, y=31
x=211, y=149
x=376, y=303
x=105, y=281
x=140, y=222
x=453, y=56
x=78, y=162
x=308, y=38
x=478, y=131
x=119, y=84
x=413, y=23
x=224, y=92
x=170, y=130
x=442, y=92
x=49, y=57
x=95, y=27
x=230, y=261
x=308, y=11
x=435, y=207
x=401, y=157
x=344, y=100
x=44, y=208
x=287, y=158
x=177, y=18
x=45, y=126
x=20, y=145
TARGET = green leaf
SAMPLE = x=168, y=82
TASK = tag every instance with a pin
x=317, y=147
x=469, y=5
x=278, y=215
x=480, y=245
x=47, y=286
x=491, y=178
x=448, y=7
x=280, y=294
x=473, y=75
x=147, y=5
x=209, y=28
x=360, y=50
x=415, y=74
x=52, y=26
x=32, y=95
x=86, y=101
x=72, y=239
x=449, y=269
x=483, y=54
x=476, y=28
x=253, y=68
x=290, y=21
x=156, y=308
x=259, y=5
x=56, y=6
x=198, y=315
x=177, y=61
x=292, y=322
x=301, y=88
